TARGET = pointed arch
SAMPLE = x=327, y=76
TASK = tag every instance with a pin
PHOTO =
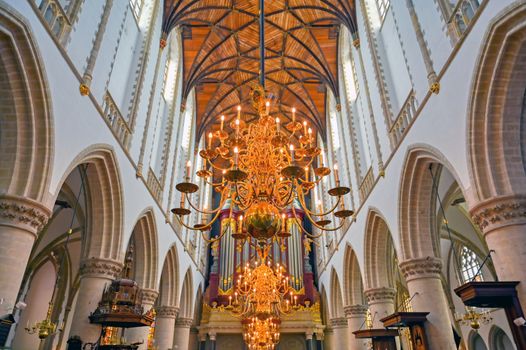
x=496, y=115
x=144, y=238
x=336, y=296
x=352, y=282
x=379, y=249
x=26, y=126
x=169, y=285
x=417, y=212
x=324, y=307
x=187, y=294
x=105, y=209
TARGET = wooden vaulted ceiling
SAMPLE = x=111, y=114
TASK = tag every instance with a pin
x=221, y=54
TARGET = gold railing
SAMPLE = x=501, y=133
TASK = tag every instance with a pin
x=462, y=15
x=55, y=17
x=154, y=185
x=404, y=118
x=116, y=120
x=367, y=184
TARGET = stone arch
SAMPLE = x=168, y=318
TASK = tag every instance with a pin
x=496, y=115
x=105, y=212
x=416, y=214
x=336, y=296
x=26, y=126
x=499, y=340
x=187, y=293
x=476, y=342
x=352, y=282
x=169, y=285
x=324, y=307
x=144, y=238
x=378, y=247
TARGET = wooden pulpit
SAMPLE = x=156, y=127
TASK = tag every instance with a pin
x=415, y=322
x=383, y=339
x=495, y=294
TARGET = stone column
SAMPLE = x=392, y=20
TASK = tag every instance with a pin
x=213, y=338
x=308, y=337
x=340, y=333
x=20, y=221
x=328, y=339
x=182, y=333
x=95, y=274
x=140, y=334
x=165, y=327
x=423, y=277
x=503, y=222
x=356, y=315
x=381, y=304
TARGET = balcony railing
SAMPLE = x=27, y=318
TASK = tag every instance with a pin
x=404, y=118
x=154, y=185
x=462, y=16
x=55, y=17
x=367, y=184
x=116, y=120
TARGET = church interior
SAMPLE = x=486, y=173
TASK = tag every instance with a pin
x=262, y=174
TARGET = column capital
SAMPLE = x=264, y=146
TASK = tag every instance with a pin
x=499, y=212
x=428, y=267
x=26, y=213
x=338, y=322
x=149, y=296
x=355, y=310
x=380, y=295
x=309, y=335
x=212, y=336
x=320, y=336
x=102, y=268
x=167, y=311
x=184, y=322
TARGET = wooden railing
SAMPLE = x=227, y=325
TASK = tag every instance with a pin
x=116, y=120
x=462, y=15
x=404, y=118
x=154, y=185
x=367, y=184
x=55, y=17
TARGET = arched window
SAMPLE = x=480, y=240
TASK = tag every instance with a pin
x=476, y=342
x=469, y=265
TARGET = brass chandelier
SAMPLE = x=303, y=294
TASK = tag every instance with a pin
x=262, y=290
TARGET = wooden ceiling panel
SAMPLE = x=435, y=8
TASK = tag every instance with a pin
x=221, y=54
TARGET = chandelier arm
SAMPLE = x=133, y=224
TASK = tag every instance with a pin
x=216, y=166
x=315, y=224
x=304, y=206
x=202, y=228
x=241, y=200
x=213, y=211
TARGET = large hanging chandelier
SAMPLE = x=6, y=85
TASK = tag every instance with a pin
x=265, y=167
x=261, y=334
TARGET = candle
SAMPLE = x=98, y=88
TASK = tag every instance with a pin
x=305, y=127
x=230, y=300
x=277, y=124
x=293, y=114
x=291, y=148
x=283, y=222
x=209, y=140
x=306, y=173
x=310, y=136
x=237, y=126
x=238, y=111
x=336, y=177
x=267, y=107
x=236, y=153
x=188, y=165
x=321, y=158
x=223, y=176
x=240, y=224
x=222, y=121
